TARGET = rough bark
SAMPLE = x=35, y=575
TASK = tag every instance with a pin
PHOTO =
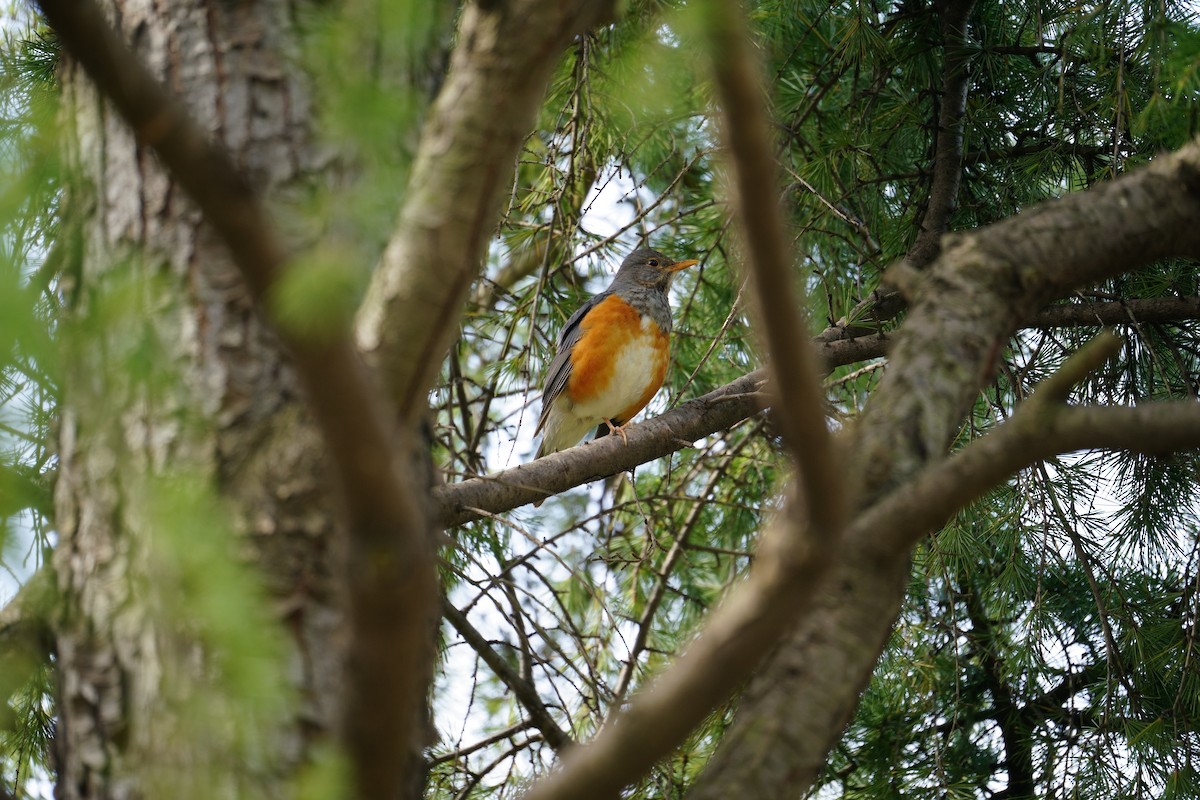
x=126, y=668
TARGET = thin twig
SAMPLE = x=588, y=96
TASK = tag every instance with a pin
x=525, y=692
x=463, y=752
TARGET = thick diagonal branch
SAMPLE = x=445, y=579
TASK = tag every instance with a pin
x=986, y=282
x=487, y=106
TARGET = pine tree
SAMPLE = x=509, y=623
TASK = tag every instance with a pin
x=965, y=565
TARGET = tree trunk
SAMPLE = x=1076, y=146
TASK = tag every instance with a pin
x=143, y=705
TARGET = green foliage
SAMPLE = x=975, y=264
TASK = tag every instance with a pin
x=1047, y=644
x=29, y=374
x=325, y=778
x=25, y=744
x=317, y=297
x=1034, y=594
x=372, y=63
x=196, y=593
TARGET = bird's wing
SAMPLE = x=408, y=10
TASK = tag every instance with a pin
x=560, y=367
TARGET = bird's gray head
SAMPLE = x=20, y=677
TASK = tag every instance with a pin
x=649, y=269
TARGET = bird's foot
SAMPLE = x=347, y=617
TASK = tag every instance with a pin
x=618, y=429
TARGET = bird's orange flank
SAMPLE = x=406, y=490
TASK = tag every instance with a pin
x=606, y=331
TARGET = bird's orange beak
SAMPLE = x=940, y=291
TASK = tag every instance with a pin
x=678, y=265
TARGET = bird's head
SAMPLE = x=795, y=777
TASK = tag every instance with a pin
x=649, y=268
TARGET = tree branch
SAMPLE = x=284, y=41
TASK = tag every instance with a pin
x=913, y=510
x=497, y=79
x=1148, y=310
x=800, y=409
x=525, y=692
x=662, y=577
x=963, y=310
x=1034, y=146
x=391, y=578
x=757, y=612
x=507, y=733
x=1028, y=51
x=654, y=438
x=1018, y=744
x=1120, y=312
x=1075, y=370
x=1049, y=703
x=948, y=143
x=1084, y=237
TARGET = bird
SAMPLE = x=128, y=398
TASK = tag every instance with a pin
x=612, y=354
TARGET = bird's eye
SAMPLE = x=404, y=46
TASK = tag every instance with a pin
x=653, y=262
